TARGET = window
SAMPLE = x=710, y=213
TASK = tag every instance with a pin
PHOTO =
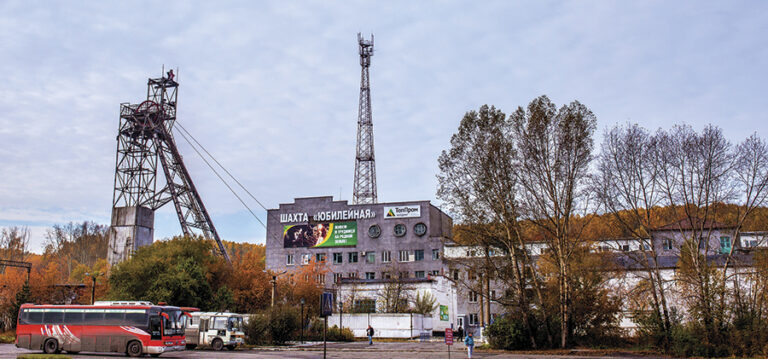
x=54, y=316
x=219, y=323
x=374, y=231
x=352, y=257
x=455, y=274
x=365, y=306
x=370, y=257
x=370, y=275
x=400, y=230
x=93, y=316
x=305, y=259
x=493, y=294
x=386, y=275
x=435, y=254
x=386, y=257
x=289, y=259
x=420, y=274
x=473, y=297
x=403, y=275
x=73, y=316
x=624, y=247
x=471, y=275
x=750, y=242
x=113, y=316
x=420, y=229
x=352, y=275
x=644, y=247
x=337, y=277
x=472, y=319
x=338, y=258
x=320, y=257
x=403, y=256
x=418, y=255
x=434, y=273
x=320, y=278
x=667, y=244
x=725, y=245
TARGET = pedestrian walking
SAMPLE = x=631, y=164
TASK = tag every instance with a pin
x=470, y=343
x=369, y=333
x=460, y=333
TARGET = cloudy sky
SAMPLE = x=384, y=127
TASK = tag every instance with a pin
x=271, y=88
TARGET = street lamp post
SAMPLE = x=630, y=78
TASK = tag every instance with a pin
x=93, y=287
x=302, y=320
x=341, y=314
x=274, y=285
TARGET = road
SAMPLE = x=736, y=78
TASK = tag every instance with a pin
x=355, y=350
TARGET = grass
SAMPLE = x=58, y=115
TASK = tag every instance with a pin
x=8, y=337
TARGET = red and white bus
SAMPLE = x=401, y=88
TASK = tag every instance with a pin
x=136, y=328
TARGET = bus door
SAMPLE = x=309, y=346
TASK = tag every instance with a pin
x=155, y=327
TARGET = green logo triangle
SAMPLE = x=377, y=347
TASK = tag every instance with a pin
x=390, y=213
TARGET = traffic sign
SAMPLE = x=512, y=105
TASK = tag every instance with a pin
x=448, y=336
x=326, y=304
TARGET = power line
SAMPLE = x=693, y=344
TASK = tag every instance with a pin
x=217, y=173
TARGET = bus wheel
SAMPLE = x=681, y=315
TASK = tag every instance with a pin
x=217, y=344
x=51, y=346
x=134, y=349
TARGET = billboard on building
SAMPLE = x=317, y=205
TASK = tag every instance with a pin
x=333, y=234
x=444, y=313
x=402, y=212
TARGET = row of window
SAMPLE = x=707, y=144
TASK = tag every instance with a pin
x=368, y=257
x=667, y=245
x=320, y=278
x=398, y=230
x=134, y=317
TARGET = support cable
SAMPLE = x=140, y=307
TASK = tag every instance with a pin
x=220, y=165
x=218, y=175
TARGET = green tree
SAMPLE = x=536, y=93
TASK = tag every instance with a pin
x=425, y=303
x=175, y=271
x=23, y=296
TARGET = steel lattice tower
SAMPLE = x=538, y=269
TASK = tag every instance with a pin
x=144, y=137
x=364, y=190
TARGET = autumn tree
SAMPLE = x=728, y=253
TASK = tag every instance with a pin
x=554, y=151
x=76, y=244
x=478, y=183
x=627, y=187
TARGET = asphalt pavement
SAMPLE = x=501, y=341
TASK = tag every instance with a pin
x=354, y=350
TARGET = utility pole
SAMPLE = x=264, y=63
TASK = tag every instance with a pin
x=364, y=187
x=93, y=286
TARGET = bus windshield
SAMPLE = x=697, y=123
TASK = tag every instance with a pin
x=235, y=324
x=174, y=324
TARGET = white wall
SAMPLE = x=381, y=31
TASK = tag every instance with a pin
x=384, y=325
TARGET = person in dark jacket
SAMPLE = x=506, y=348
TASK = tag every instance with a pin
x=460, y=333
x=369, y=333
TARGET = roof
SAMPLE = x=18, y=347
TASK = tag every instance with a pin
x=689, y=224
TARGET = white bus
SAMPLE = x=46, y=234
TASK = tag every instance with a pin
x=217, y=330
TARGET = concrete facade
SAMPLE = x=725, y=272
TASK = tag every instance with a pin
x=131, y=228
x=309, y=212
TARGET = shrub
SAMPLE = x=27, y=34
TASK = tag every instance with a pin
x=339, y=335
x=275, y=325
x=256, y=330
x=508, y=334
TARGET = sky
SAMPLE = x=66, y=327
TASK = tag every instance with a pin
x=271, y=88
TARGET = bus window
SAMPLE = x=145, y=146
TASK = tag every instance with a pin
x=73, y=316
x=113, y=316
x=53, y=316
x=93, y=317
x=35, y=316
x=136, y=317
x=220, y=323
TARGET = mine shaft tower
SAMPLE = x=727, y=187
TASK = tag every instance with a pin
x=364, y=189
x=145, y=138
